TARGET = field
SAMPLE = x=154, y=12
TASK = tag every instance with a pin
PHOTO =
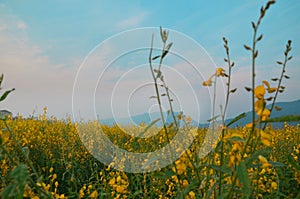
x=43, y=158
x=46, y=157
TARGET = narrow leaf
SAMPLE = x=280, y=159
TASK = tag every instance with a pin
x=233, y=90
x=269, y=99
x=166, y=50
x=148, y=127
x=214, y=118
x=259, y=38
x=244, y=178
x=247, y=47
x=5, y=94
x=287, y=118
x=255, y=54
x=154, y=58
x=278, y=108
x=1, y=79
x=253, y=25
x=248, y=89
x=237, y=118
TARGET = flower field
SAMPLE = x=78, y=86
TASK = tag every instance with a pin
x=45, y=158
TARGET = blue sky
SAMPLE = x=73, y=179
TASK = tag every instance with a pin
x=43, y=43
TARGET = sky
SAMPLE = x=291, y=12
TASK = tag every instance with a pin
x=89, y=58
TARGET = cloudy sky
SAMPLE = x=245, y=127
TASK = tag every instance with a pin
x=51, y=51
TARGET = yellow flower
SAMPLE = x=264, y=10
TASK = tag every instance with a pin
x=261, y=110
x=249, y=125
x=259, y=91
x=94, y=194
x=274, y=185
x=207, y=83
x=264, y=161
x=192, y=195
x=270, y=90
x=220, y=72
x=121, y=188
x=185, y=183
x=180, y=166
x=265, y=114
x=54, y=176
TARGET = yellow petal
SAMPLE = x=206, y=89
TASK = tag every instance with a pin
x=266, y=142
x=207, y=83
x=266, y=83
x=262, y=159
x=220, y=72
x=265, y=135
x=272, y=90
x=249, y=125
x=259, y=92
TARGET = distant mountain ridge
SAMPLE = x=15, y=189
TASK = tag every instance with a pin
x=288, y=108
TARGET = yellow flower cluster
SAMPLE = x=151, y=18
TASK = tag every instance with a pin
x=219, y=72
x=56, y=151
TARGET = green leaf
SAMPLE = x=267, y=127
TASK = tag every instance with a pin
x=247, y=47
x=223, y=169
x=254, y=156
x=244, y=178
x=5, y=94
x=1, y=79
x=147, y=127
x=214, y=118
x=164, y=175
x=236, y=138
x=192, y=185
x=277, y=164
x=166, y=50
x=26, y=151
x=287, y=118
x=16, y=188
x=233, y=90
x=154, y=58
x=237, y=118
x=292, y=162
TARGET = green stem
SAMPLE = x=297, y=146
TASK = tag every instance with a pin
x=279, y=84
x=159, y=102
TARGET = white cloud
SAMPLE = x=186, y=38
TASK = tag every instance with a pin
x=38, y=83
x=21, y=26
x=132, y=22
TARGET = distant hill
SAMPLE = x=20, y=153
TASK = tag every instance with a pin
x=146, y=118
x=288, y=108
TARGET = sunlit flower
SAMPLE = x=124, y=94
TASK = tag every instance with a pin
x=207, y=82
x=274, y=185
x=269, y=88
x=94, y=194
x=264, y=161
x=259, y=91
x=220, y=72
